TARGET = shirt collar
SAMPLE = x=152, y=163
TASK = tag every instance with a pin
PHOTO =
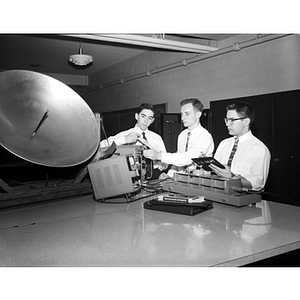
x=197, y=128
x=245, y=136
x=138, y=129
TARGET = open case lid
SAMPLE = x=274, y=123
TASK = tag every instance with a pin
x=44, y=121
x=205, y=161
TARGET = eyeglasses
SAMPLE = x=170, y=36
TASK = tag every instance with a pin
x=231, y=120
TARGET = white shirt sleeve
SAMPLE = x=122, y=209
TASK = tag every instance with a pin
x=199, y=143
x=119, y=138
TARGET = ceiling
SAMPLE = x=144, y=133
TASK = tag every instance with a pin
x=49, y=53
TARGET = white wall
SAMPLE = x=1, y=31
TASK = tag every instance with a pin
x=264, y=68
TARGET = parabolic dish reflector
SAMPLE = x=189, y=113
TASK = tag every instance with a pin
x=44, y=121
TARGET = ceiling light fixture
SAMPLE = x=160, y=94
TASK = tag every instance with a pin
x=80, y=59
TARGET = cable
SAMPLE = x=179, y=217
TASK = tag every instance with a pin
x=103, y=129
x=151, y=188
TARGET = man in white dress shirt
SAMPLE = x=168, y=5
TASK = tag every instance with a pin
x=145, y=116
x=192, y=142
x=251, y=158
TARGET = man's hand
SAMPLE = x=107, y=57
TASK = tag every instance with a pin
x=221, y=172
x=152, y=154
x=132, y=137
x=163, y=176
x=228, y=174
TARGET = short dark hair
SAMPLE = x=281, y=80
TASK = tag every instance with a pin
x=146, y=106
x=243, y=110
x=194, y=101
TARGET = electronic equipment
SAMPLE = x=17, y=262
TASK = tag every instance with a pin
x=121, y=174
x=213, y=187
x=114, y=176
x=137, y=152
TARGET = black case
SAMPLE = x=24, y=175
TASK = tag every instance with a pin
x=204, y=162
x=178, y=207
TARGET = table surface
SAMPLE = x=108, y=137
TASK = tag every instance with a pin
x=83, y=232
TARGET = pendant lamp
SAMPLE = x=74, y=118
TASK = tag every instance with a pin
x=80, y=59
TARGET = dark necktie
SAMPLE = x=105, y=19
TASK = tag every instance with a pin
x=149, y=163
x=187, y=141
x=232, y=152
x=144, y=136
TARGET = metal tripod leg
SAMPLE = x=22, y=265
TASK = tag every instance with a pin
x=5, y=186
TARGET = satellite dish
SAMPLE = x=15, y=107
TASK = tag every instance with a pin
x=44, y=121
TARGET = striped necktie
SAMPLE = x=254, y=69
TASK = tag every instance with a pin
x=234, y=148
x=187, y=141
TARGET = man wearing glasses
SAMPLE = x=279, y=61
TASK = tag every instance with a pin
x=243, y=154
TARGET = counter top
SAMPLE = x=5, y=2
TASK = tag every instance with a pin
x=83, y=232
